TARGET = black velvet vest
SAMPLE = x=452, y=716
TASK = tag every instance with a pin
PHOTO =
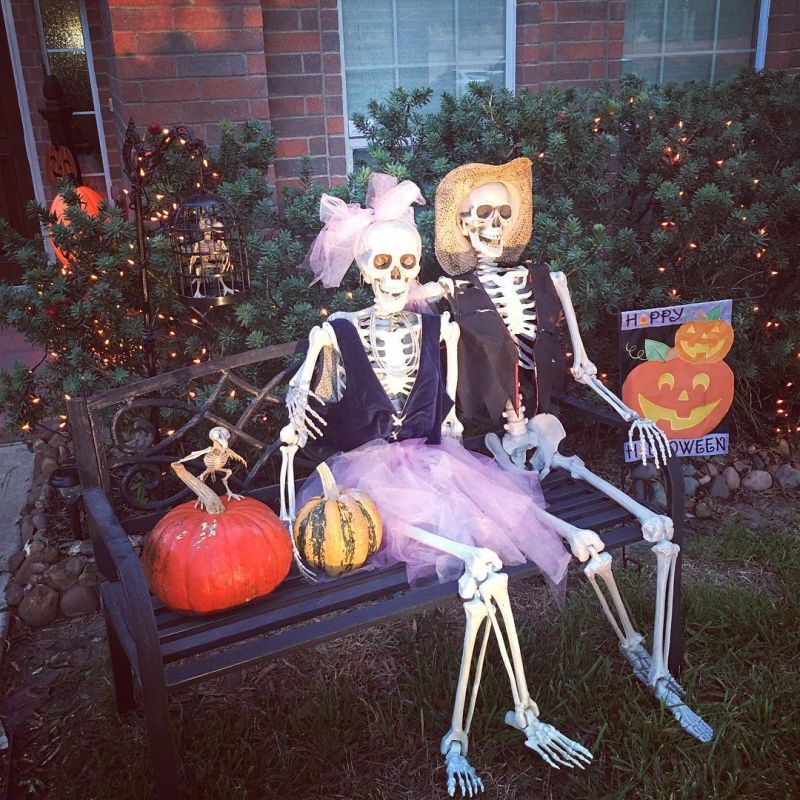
x=487, y=355
x=365, y=411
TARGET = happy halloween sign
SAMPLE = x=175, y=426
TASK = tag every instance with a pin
x=672, y=362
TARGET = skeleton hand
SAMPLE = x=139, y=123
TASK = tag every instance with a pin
x=657, y=528
x=582, y=542
x=650, y=434
x=452, y=427
x=459, y=768
x=304, y=418
x=479, y=563
x=584, y=372
x=447, y=286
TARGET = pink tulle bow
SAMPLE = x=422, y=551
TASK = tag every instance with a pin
x=334, y=248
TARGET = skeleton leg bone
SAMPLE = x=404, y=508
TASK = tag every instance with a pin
x=287, y=511
x=226, y=474
x=455, y=743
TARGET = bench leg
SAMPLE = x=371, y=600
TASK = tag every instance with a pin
x=159, y=732
x=120, y=670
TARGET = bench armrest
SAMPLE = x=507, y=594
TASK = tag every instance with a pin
x=109, y=536
x=590, y=410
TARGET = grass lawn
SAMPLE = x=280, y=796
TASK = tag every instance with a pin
x=362, y=717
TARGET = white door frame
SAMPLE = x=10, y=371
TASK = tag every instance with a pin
x=24, y=108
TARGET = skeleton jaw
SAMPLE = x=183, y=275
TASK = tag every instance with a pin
x=391, y=298
x=487, y=242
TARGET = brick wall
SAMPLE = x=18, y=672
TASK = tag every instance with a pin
x=301, y=43
x=569, y=42
x=194, y=63
x=783, y=38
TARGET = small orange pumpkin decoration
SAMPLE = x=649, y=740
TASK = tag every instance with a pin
x=704, y=341
x=685, y=400
x=198, y=563
x=90, y=202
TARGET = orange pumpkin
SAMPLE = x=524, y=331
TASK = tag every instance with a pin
x=197, y=563
x=90, y=202
x=704, y=341
x=685, y=400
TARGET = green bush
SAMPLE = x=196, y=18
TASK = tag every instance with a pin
x=645, y=196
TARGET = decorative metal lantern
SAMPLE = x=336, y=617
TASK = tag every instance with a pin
x=209, y=256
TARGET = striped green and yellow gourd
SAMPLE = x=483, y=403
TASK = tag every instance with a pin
x=338, y=531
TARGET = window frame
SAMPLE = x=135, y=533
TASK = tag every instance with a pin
x=758, y=49
x=355, y=142
x=97, y=111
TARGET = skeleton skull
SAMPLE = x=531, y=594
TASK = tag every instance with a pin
x=388, y=256
x=220, y=436
x=485, y=215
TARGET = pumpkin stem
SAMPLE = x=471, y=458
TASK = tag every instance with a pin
x=212, y=504
x=329, y=487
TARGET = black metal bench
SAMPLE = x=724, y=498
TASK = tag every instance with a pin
x=166, y=651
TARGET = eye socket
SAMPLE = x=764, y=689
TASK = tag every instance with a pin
x=691, y=329
x=701, y=379
x=505, y=211
x=484, y=211
x=381, y=261
x=667, y=379
x=408, y=261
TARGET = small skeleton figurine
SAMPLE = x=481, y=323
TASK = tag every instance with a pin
x=380, y=373
x=210, y=257
x=215, y=459
x=508, y=314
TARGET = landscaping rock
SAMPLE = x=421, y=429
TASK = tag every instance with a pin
x=782, y=447
x=51, y=554
x=758, y=462
x=48, y=466
x=659, y=495
x=731, y=478
x=40, y=521
x=80, y=547
x=15, y=562
x=644, y=472
x=704, y=480
x=59, y=577
x=26, y=528
x=740, y=465
x=688, y=470
x=788, y=477
x=757, y=480
x=33, y=565
x=712, y=470
x=14, y=594
x=638, y=490
x=89, y=575
x=39, y=606
x=703, y=511
x=690, y=486
x=78, y=600
x=719, y=487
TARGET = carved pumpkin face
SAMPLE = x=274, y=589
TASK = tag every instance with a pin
x=704, y=341
x=685, y=400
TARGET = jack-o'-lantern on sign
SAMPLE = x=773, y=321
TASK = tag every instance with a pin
x=686, y=400
x=90, y=202
x=704, y=341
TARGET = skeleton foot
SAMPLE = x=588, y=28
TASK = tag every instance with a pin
x=669, y=692
x=234, y=496
x=460, y=771
x=692, y=723
x=551, y=744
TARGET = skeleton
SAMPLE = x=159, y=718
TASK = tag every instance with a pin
x=210, y=256
x=485, y=217
x=215, y=459
x=389, y=261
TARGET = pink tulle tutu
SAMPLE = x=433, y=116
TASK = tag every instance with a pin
x=450, y=491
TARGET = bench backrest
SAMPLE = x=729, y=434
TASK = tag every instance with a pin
x=126, y=438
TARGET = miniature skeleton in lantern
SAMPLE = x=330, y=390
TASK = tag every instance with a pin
x=508, y=314
x=210, y=257
x=372, y=386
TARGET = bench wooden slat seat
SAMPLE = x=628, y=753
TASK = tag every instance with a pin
x=166, y=651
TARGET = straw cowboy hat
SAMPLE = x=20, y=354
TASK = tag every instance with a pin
x=453, y=250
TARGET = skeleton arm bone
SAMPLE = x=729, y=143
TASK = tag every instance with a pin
x=450, y=333
x=585, y=372
x=194, y=455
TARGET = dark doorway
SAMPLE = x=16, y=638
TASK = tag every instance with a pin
x=16, y=188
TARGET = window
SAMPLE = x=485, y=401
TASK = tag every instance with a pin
x=418, y=43
x=67, y=54
x=681, y=40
